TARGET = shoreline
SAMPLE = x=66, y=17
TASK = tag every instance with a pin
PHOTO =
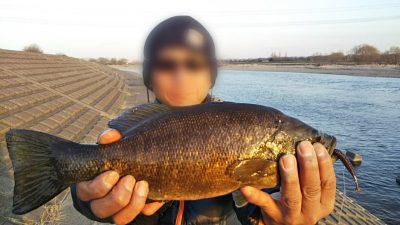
x=390, y=71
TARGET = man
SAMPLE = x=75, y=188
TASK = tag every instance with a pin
x=180, y=68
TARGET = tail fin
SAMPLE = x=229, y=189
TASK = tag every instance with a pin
x=36, y=178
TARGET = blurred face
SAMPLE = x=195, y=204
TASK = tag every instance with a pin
x=180, y=77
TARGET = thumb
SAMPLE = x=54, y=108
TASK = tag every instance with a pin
x=109, y=136
x=262, y=200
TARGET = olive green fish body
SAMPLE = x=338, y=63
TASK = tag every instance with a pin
x=184, y=153
x=194, y=152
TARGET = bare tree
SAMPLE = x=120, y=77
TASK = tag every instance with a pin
x=365, y=54
x=394, y=50
x=336, y=57
x=33, y=48
x=392, y=56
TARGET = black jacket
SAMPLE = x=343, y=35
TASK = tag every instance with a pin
x=215, y=211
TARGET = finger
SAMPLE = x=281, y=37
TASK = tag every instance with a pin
x=135, y=206
x=98, y=187
x=109, y=136
x=309, y=177
x=328, y=178
x=290, y=186
x=150, y=208
x=117, y=199
x=262, y=200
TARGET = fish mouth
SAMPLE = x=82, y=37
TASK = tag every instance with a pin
x=328, y=141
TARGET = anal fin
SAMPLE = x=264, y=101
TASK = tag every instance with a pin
x=239, y=199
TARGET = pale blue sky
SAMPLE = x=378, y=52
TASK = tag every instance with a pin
x=242, y=29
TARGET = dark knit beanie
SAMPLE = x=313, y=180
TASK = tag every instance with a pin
x=181, y=31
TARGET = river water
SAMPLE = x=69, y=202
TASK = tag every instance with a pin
x=362, y=112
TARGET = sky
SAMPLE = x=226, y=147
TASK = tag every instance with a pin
x=241, y=29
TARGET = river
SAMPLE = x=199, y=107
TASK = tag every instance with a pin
x=362, y=112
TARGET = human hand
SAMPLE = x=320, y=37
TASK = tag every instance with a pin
x=122, y=199
x=307, y=195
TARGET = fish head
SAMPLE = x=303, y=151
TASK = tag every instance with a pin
x=300, y=131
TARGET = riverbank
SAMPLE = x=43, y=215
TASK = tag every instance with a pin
x=351, y=70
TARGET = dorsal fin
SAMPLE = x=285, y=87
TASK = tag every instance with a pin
x=131, y=117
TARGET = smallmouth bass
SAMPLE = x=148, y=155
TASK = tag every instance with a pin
x=184, y=153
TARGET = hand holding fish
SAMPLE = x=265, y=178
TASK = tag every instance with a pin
x=122, y=199
x=307, y=195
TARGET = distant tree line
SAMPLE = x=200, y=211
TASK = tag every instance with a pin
x=360, y=54
x=109, y=61
x=36, y=49
x=105, y=61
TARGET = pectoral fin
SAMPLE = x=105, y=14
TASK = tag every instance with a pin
x=250, y=170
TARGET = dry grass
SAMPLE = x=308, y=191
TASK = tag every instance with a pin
x=52, y=213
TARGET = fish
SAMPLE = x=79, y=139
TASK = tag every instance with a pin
x=184, y=153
